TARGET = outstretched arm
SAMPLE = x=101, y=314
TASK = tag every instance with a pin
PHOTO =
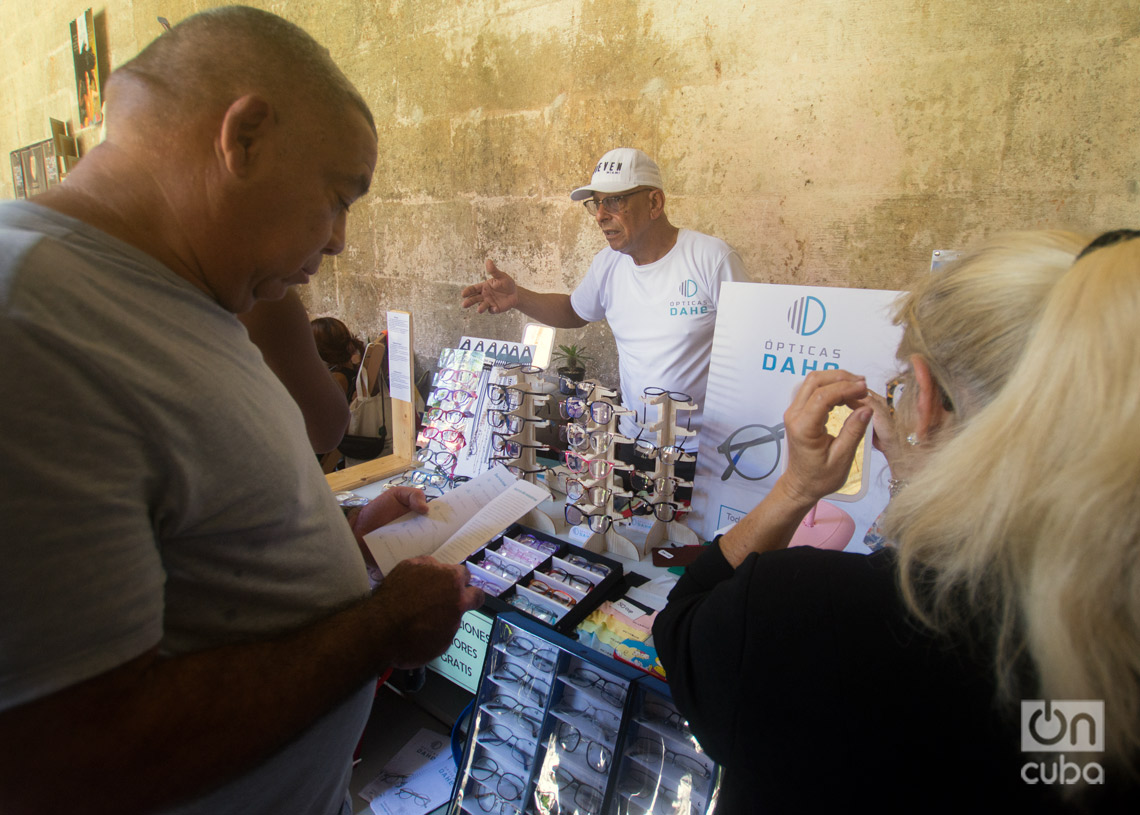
x=499, y=293
x=281, y=329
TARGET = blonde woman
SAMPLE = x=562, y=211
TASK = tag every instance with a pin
x=818, y=680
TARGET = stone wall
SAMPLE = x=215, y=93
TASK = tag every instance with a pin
x=831, y=142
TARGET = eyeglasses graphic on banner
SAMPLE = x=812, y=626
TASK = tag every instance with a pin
x=752, y=451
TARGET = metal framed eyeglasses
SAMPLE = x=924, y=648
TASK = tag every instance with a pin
x=611, y=203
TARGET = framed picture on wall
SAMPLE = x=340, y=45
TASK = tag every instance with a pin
x=88, y=88
x=32, y=158
x=17, y=174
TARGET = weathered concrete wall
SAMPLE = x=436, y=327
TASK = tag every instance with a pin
x=832, y=142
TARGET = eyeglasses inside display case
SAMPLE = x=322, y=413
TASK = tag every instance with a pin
x=559, y=728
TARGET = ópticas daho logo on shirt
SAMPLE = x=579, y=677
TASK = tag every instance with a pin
x=689, y=304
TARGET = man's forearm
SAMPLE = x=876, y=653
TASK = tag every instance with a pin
x=156, y=731
x=549, y=307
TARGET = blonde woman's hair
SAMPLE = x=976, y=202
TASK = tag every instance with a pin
x=1026, y=524
x=971, y=319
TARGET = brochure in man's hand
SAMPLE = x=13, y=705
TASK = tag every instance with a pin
x=458, y=522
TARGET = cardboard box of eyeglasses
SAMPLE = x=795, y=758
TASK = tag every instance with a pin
x=551, y=581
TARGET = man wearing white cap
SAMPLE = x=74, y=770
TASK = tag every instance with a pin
x=657, y=285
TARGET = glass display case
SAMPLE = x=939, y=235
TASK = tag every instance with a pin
x=559, y=729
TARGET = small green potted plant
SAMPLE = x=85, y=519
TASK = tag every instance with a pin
x=573, y=362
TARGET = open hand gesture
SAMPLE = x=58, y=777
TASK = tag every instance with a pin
x=496, y=294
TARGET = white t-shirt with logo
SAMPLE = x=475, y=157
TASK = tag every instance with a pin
x=662, y=316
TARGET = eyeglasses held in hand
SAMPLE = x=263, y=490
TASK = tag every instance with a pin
x=613, y=204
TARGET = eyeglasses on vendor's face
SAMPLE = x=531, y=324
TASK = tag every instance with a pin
x=613, y=204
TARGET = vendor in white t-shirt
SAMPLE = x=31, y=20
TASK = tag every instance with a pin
x=657, y=285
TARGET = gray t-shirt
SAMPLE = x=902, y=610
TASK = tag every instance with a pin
x=158, y=489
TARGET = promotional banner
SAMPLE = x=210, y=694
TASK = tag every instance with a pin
x=768, y=338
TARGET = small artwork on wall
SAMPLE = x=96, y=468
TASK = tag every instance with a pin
x=87, y=85
x=18, y=174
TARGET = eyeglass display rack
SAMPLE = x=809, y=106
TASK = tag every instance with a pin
x=609, y=539
x=558, y=728
x=668, y=431
x=515, y=394
x=548, y=580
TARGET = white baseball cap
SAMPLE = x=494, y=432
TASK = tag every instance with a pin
x=620, y=170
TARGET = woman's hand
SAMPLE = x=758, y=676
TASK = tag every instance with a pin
x=819, y=463
x=885, y=439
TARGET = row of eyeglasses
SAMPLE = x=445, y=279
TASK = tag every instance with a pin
x=555, y=584
x=588, y=456
x=506, y=744
x=663, y=765
x=588, y=720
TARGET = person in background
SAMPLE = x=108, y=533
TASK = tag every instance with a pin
x=280, y=328
x=188, y=624
x=656, y=285
x=1012, y=573
x=341, y=351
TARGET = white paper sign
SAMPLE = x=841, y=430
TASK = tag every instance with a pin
x=768, y=338
x=399, y=355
